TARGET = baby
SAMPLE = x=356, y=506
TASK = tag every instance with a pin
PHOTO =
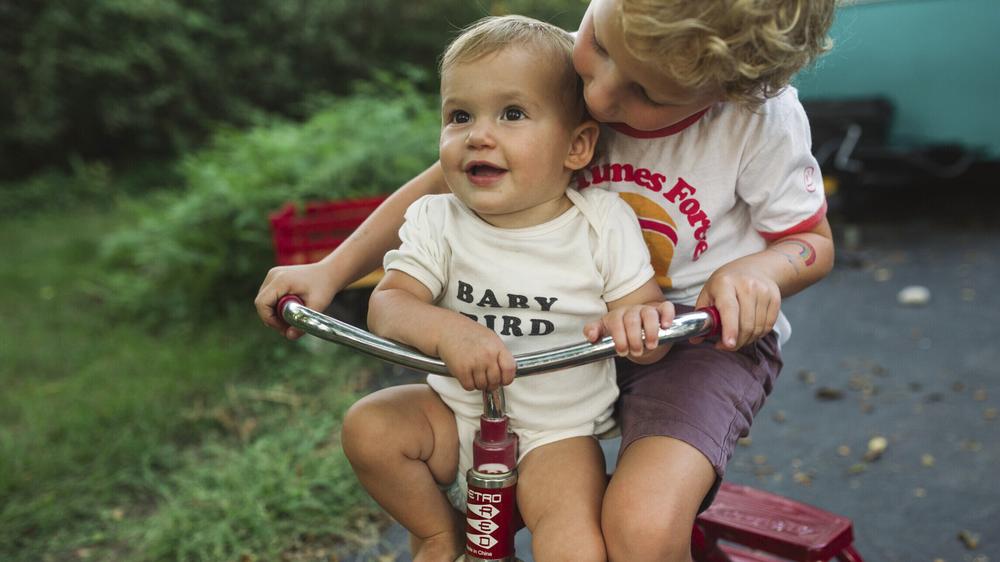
x=513, y=259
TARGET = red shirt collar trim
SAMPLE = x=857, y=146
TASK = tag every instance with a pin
x=664, y=132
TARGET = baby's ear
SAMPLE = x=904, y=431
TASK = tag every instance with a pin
x=581, y=148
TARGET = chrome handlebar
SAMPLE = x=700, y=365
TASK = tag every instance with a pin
x=702, y=322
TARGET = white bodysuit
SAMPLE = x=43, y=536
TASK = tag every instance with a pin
x=536, y=287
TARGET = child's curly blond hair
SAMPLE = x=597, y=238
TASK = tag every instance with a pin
x=750, y=49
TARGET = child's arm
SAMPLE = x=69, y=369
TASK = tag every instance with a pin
x=357, y=256
x=633, y=322
x=748, y=291
x=401, y=309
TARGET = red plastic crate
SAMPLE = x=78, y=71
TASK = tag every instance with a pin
x=308, y=235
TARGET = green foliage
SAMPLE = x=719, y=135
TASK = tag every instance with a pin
x=114, y=78
x=208, y=246
x=84, y=185
x=119, y=444
x=226, y=501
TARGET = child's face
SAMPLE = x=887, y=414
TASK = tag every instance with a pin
x=507, y=143
x=618, y=87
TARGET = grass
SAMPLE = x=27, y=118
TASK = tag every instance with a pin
x=208, y=442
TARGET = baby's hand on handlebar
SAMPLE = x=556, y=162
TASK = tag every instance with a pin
x=633, y=328
x=476, y=356
x=309, y=282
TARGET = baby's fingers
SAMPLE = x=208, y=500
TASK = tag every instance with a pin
x=508, y=367
x=650, y=326
x=594, y=331
x=493, y=378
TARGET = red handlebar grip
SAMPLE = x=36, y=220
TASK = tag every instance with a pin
x=285, y=300
x=716, y=320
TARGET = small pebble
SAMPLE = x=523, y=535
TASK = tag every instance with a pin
x=969, y=539
x=914, y=295
x=876, y=446
x=827, y=393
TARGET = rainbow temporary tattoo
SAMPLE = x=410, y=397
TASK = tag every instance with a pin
x=806, y=251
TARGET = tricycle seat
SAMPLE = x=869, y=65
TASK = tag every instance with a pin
x=769, y=524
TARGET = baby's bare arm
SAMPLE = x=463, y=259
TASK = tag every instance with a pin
x=401, y=309
x=357, y=256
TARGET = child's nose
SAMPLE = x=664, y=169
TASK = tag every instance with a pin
x=480, y=135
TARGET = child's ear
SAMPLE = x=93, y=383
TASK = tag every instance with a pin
x=581, y=149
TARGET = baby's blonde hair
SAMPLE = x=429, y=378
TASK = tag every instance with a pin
x=493, y=34
x=750, y=49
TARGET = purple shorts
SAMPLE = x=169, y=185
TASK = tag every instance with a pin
x=702, y=396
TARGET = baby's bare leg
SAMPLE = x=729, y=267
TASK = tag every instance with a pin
x=402, y=442
x=559, y=491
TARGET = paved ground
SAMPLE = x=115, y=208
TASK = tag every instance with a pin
x=862, y=366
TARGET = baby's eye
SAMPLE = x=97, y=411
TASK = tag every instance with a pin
x=513, y=114
x=458, y=116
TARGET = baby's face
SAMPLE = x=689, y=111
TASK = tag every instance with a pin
x=618, y=87
x=505, y=137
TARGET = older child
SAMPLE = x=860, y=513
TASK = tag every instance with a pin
x=510, y=261
x=712, y=148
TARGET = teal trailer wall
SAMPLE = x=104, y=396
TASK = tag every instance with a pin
x=937, y=60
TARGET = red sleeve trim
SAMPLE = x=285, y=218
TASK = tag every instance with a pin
x=803, y=226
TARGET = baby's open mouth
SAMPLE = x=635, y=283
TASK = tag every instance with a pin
x=484, y=170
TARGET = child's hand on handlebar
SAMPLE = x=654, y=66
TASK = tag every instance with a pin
x=476, y=356
x=634, y=329
x=748, y=304
x=309, y=282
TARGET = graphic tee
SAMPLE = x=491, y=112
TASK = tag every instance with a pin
x=714, y=187
x=536, y=287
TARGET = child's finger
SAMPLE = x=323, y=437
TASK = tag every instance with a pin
x=493, y=376
x=729, y=315
x=508, y=367
x=467, y=382
x=614, y=327
x=650, y=326
x=666, y=313
x=760, y=318
x=633, y=331
x=482, y=382
x=593, y=331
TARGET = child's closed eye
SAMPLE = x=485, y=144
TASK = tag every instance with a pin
x=597, y=46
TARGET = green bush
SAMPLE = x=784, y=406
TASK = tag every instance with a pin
x=207, y=246
x=117, y=79
x=112, y=79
